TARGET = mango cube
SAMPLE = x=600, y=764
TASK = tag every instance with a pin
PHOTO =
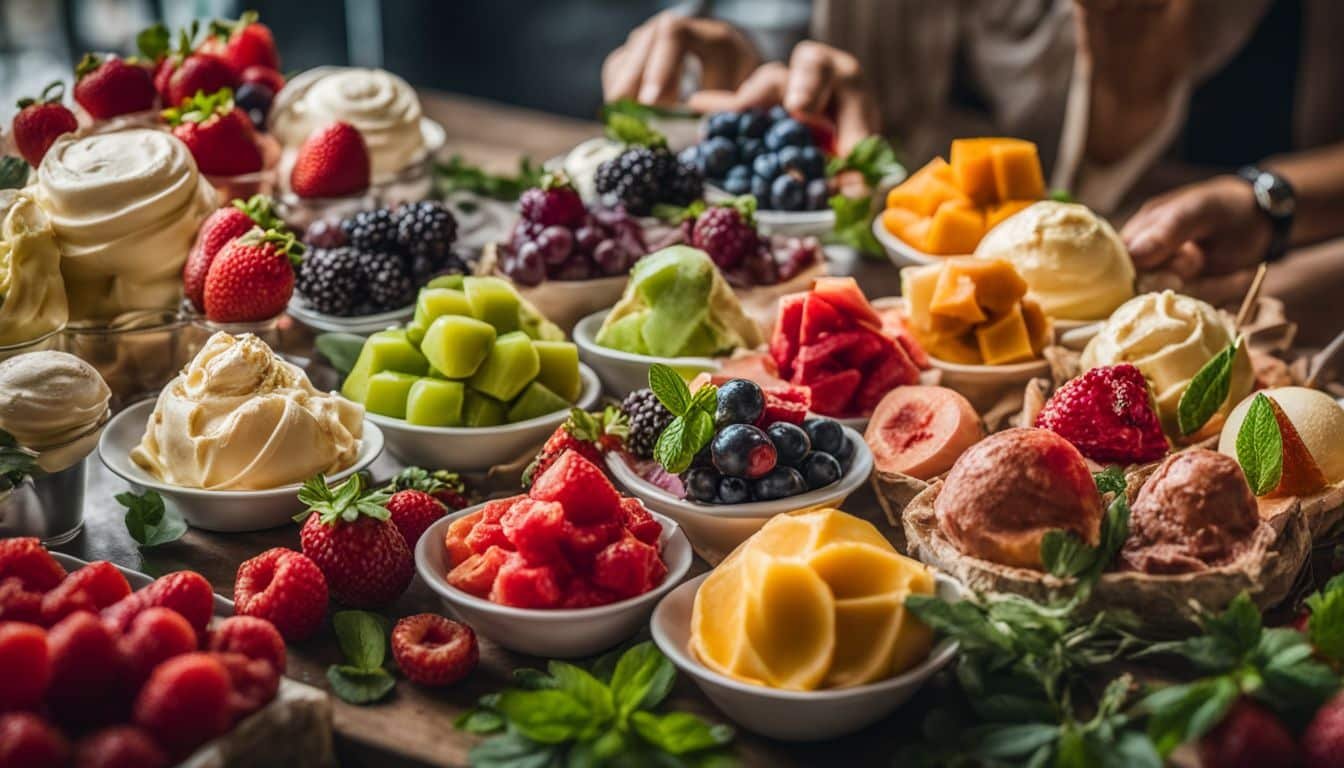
x=1038, y=327
x=926, y=189
x=435, y=403
x=998, y=286
x=1005, y=340
x=511, y=364
x=536, y=400
x=494, y=301
x=1017, y=170
x=388, y=392
x=956, y=229
x=954, y=296
x=973, y=165
x=480, y=410
x=559, y=371
x=456, y=345
x=383, y=351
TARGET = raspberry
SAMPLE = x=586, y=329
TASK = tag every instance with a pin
x=253, y=683
x=28, y=561
x=1108, y=415
x=86, y=672
x=554, y=203
x=154, y=636
x=120, y=746
x=725, y=235
x=91, y=588
x=414, y=511
x=432, y=650
x=28, y=741
x=186, y=592
x=17, y=603
x=24, y=666
x=252, y=637
x=285, y=588
x=185, y=703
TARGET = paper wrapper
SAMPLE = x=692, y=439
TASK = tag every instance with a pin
x=293, y=731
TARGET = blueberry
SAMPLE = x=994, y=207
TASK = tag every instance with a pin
x=718, y=154
x=819, y=469
x=827, y=435
x=813, y=164
x=760, y=189
x=787, y=133
x=702, y=459
x=766, y=165
x=690, y=155
x=818, y=195
x=752, y=124
x=702, y=484
x=845, y=453
x=734, y=490
x=791, y=442
x=722, y=124
x=780, y=483
x=740, y=401
x=742, y=450
x=737, y=185
x=777, y=113
x=787, y=194
x=748, y=149
x=791, y=159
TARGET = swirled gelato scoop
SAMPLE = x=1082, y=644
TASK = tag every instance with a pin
x=1073, y=261
x=239, y=417
x=53, y=404
x=125, y=206
x=32, y=291
x=1169, y=337
x=383, y=107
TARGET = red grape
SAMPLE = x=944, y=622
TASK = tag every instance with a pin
x=529, y=268
x=556, y=244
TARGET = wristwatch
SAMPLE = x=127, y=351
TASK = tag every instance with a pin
x=1275, y=197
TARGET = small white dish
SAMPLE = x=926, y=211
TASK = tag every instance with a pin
x=1075, y=334
x=224, y=511
x=137, y=580
x=624, y=372
x=560, y=633
x=477, y=449
x=788, y=223
x=793, y=715
x=901, y=253
x=362, y=325
x=717, y=529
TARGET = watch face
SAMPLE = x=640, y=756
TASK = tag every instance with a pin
x=1274, y=195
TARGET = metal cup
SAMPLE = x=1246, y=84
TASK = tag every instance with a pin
x=49, y=506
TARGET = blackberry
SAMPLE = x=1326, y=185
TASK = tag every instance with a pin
x=631, y=179
x=426, y=230
x=371, y=230
x=331, y=281
x=389, y=281
x=648, y=418
x=682, y=183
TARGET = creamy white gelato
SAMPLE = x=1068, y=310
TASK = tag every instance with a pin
x=383, y=107
x=1073, y=261
x=125, y=206
x=239, y=417
x=52, y=403
x=32, y=293
x=1317, y=417
x=582, y=162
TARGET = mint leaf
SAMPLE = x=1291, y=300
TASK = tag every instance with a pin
x=533, y=679
x=586, y=689
x=547, y=716
x=148, y=521
x=1182, y=713
x=706, y=399
x=153, y=42
x=13, y=172
x=854, y=224
x=642, y=679
x=873, y=157
x=643, y=112
x=457, y=175
x=1325, y=626
x=480, y=721
x=1207, y=391
x=633, y=131
x=359, y=686
x=1064, y=554
x=1060, y=195
x=340, y=349
x=1016, y=740
x=679, y=733
x=669, y=388
x=670, y=449
x=513, y=750
x=362, y=637
x=1260, y=446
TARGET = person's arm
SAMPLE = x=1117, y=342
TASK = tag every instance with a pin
x=1317, y=177
x=648, y=66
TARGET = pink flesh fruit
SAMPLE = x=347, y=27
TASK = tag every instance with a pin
x=921, y=431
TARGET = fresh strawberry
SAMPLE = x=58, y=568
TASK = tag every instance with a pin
x=198, y=73
x=252, y=278
x=91, y=588
x=243, y=43
x=1248, y=736
x=25, y=666
x=580, y=487
x=219, y=135
x=1109, y=416
x=253, y=683
x=40, y=121
x=120, y=746
x=87, y=672
x=110, y=86
x=154, y=636
x=28, y=561
x=252, y=637
x=28, y=741
x=554, y=203
x=18, y=603
x=349, y=535
x=185, y=702
x=443, y=485
x=186, y=592
x=590, y=434
x=332, y=162
x=218, y=229
x=285, y=588
x=1323, y=740
x=414, y=511
x=266, y=76
x=432, y=650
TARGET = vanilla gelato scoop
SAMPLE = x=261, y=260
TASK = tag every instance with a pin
x=53, y=404
x=32, y=293
x=125, y=206
x=1073, y=261
x=1169, y=337
x=239, y=417
x=383, y=107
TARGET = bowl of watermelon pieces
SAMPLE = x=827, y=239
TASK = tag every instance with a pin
x=566, y=570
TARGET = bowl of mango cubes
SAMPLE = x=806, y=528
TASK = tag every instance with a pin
x=477, y=378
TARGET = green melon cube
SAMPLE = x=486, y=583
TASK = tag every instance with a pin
x=383, y=351
x=559, y=368
x=493, y=300
x=415, y=332
x=537, y=400
x=511, y=364
x=626, y=334
x=533, y=324
x=453, y=282
x=437, y=302
x=456, y=345
x=480, y=410
x=388, y=393
x=435, y=403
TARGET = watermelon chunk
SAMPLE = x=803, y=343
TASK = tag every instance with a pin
x=844, y=294
x=535, y=529
x=786, y=403
x=784, y=341
x=526, y=586
x=476, y=575
x=455, y=541
x=486, y=534
x=639, y=522
x=582, y=593
x=831, y=395
x=580, y=487
x=819, y=319
x=889, y=372
x=581, y=542
x=867, y=350
x=628, y=567
x=912, y=349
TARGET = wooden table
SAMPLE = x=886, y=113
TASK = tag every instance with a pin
x=414, y=726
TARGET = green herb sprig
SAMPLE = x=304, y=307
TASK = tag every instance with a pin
x=457, y=175
x=625, y=128
x=692, y=425
x=148, y=521
x=340, y=349
x=1066, y=555
x=854, y=224
x=1260, y=446
x=1325, y=624
x=874, y=157
x=363, y=639
x=1207, y=391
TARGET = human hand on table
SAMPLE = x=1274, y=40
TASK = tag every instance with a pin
x=1210, y=228
x=648, y=66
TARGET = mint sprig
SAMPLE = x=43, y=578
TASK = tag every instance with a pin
x=457, y=175
x=1066, y=555
x=340, y=349
x=874, y=157
x=692, y=425
x=1325, y=625
x=854, y=224
x=1207, y=391
x=1260, y=446
x=632, y=131
x=362, y=637
x=148, y=521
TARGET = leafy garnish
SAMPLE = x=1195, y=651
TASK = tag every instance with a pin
x=1066, y=555
x=457, y=175
x=1110, y=480
x=340, y=349
x=1325, y=626
x=873, y=157
x=153, y=42
x=16, y=462
x=1207, y=391
x=359, y=686
x=854, y=224
x=1061, y=195
x=632, y=131
x=345, y=502
x=643, y=112
x=13, y=172
x=1260, y=446
x=676, y=214
x=693, y=422
x=362, y=637
x=148, y=521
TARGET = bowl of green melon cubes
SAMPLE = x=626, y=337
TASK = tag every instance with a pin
x=477, y=378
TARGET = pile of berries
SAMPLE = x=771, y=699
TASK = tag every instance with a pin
x=642, y=177
x=557, y=238
x=768, y=154
x=647, y=418
x=762, y=453
x=93, y=670
x=745, y=257
x=376, y=260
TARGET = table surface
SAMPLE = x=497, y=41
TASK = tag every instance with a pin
x=414, y=726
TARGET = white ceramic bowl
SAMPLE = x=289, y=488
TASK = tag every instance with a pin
x=901, y=253
x=788, y=223
x=477, y=449
x=624, y=372
x=717, y=529
x=225, y=511
x=570, y=633
x=793, y=715
x=362, y=325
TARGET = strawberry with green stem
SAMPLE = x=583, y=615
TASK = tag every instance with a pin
x=252, y=277
x=590, y=434
x=348, y=531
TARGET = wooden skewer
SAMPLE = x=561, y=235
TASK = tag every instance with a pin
x=1252, y=295
x=1323, y=359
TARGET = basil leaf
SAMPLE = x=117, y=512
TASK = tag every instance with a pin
x=479, y=721
x=547, y=716
x=148, y=521
x=586, y=689
x=669, y=388
x=679, y=733
x=642, y=679
x=359, y=686
x=1207, y=390
x=512, y=750
x=362, y=637
x=340, y=349
x=1009, y=741
x=13, y=172
x=533, y=679
x=1260, y=446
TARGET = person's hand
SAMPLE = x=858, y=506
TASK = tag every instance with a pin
x=819, y=80
x=1210, y=228
x=648, y=66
